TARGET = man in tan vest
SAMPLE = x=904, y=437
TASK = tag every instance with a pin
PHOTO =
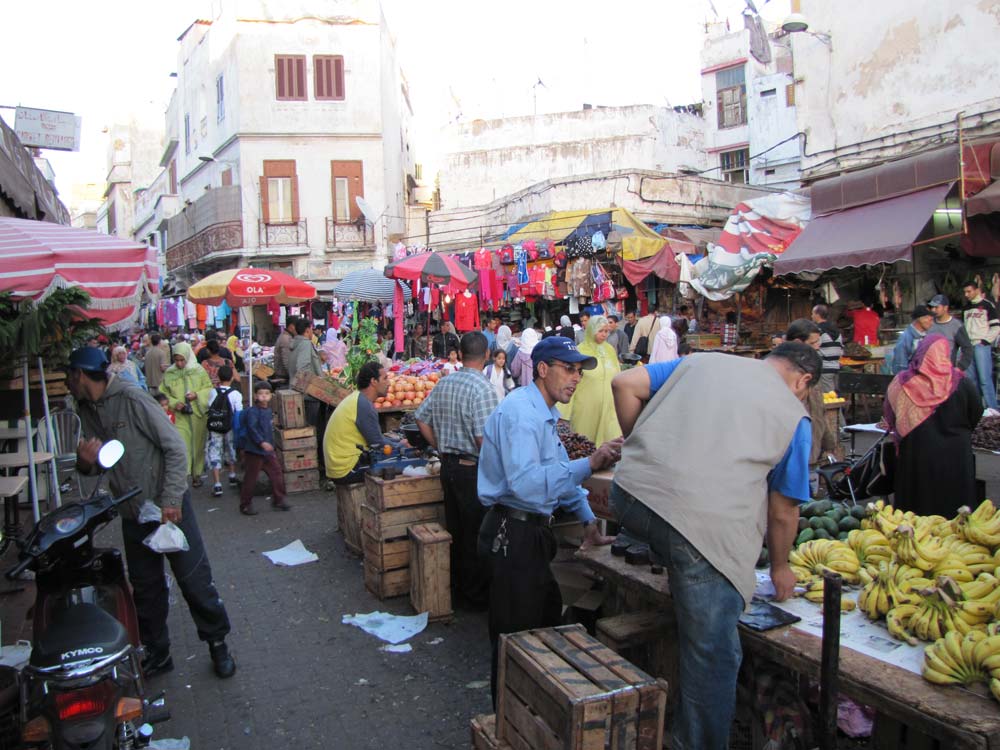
x=716, y=453
x=647, y=328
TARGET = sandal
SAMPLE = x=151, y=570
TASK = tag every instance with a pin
x=196, y=482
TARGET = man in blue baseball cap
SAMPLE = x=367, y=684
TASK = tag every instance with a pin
x=524, y=476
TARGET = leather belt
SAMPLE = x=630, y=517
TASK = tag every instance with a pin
x=538, y=519
x=464, y=459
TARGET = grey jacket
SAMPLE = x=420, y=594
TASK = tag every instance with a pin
x=303, y=357
x=155, y=456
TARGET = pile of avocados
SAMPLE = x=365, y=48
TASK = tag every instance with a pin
x=825, y=519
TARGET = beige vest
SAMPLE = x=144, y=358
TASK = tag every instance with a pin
x=701, y=451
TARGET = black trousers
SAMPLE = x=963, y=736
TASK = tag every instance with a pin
x=191, y=571
x=523, y=592
x=463, y=517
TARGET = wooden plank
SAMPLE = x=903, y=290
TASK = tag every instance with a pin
x=632, y=629
x=294, y=433
x=525, y=684
x=307, y=442
x=386, y=554
x=529, y=725
x=386, y=584
x=391, y=524
x=387, y=494
x=483, y=729
x=430, y=570
x=349, y=500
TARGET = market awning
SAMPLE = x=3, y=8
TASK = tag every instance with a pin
x=637, y=240
x=986, y=201
x=881, y=232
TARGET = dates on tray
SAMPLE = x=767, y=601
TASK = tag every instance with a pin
x=577, y=445
x=987, y=434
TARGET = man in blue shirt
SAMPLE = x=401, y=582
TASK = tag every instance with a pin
x=716, y=451
x=524, y=475
x=903, y=352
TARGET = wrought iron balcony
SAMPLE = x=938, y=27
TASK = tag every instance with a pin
x=348, y=235
x=285, y=234
x=227, y=235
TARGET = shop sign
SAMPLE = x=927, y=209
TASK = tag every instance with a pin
x=46, y=128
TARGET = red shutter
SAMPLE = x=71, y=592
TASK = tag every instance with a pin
x=319, y=77
x=173, y=177
x=279, y=76
x=300, y=78
x=295, y=197
x=338, y=77
x=265, y=212
x=354, y=173
x=227, y=178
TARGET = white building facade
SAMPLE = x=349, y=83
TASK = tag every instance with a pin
x=281, y=120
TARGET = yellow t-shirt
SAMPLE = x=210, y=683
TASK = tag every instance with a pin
x=342, y=438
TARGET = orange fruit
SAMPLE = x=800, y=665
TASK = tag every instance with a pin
x=387, y=450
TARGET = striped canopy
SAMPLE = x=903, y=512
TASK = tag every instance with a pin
x=369, y=285
x=37, y=257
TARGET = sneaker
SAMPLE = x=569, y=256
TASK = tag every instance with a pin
x=222, y=660
x=281, y=506
x=217, y=490
x=233, y=479
x=156, y=661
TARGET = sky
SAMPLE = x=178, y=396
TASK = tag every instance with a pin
x=109, y=60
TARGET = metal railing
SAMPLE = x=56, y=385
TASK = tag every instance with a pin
x=348, y=235
x=284, y=234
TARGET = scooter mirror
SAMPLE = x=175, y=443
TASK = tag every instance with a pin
x=111, y=453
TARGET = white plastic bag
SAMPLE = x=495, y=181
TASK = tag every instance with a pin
x=150, y=512
x=166, y=539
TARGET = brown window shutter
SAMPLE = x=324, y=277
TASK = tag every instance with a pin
x=227, y=178
x=300, y=78
x=279, y=77
x=357, y=189
x=338, y=78
x=173, y=177
x=790, y=95
x=295, y=198
x=319, y=77
x=265, y=213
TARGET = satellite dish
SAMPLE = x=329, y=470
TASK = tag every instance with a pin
x=367, y=210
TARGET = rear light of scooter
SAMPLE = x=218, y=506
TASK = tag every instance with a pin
x=85, y=703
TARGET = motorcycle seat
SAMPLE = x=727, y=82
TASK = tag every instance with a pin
x=79, y=633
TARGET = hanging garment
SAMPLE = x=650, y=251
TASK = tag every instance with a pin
x=466, y=312
x=521, y=264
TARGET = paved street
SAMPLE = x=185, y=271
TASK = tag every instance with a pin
x=304, y=678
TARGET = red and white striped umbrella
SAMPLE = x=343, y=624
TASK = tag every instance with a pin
x=245, y=287
x=37, y=257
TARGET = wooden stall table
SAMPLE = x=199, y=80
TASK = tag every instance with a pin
x=19, y=460
x=958, y=719
x=872, y=364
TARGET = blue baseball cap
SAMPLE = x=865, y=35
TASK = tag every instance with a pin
x=88, y=358
x=563, y=349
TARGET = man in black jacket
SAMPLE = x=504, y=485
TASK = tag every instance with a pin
x=445, y=341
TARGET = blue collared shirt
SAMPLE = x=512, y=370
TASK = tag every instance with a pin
x=523, y=464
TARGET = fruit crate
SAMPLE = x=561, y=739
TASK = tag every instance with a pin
x=350, y=498
x=484, y=733
x=297, y=459
x=559, y=687
x=385, y=494
x=430, y=571
x=386, y=554
x=291, y=409
x=386, y=584
x=295, y=438
x=393, y=524
x=301, y=481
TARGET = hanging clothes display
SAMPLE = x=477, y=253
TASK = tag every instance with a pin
x=466, y=312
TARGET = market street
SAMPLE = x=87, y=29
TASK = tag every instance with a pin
x=303, y=678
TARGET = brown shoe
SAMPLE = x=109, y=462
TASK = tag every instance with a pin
x=281, y=506
x=248, y=510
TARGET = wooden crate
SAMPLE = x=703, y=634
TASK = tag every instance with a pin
x=561, y=688
x=301, y=481
x=430, y=570
x=386, y=554
x=484, y=733
x=350, y=498
x=386, y=584
x=295, y=438
x=320, y=387
x=385, y=494
x=262, y=372
x=298, y=460
x=392, y=524
x=290, y=409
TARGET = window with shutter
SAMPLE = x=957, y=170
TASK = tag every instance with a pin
x=731, y=96
x=290, y=77
x=187, y=134
x=735, y=165
x=279, y=192
x=347, y=185
x=220, y=99
x=328, y=77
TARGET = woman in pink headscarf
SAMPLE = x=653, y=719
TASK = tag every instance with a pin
x=336, y=350
x=664, y=343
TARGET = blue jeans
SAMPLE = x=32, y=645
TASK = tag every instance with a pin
x=708, y=608
x=981, y=373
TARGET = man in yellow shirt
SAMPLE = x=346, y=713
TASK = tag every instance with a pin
x=354, y=426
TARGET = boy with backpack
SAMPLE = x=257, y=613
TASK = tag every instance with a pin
x=257, y=424
x=221, y=446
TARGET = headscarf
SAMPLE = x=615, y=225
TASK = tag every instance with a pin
x=233, y=344
x=336, y=350
x=117, y=367
x=565, y=322
x=184, y=349
x=504, y=336
x=664, y=343
x=528, y=340
x=928, y=382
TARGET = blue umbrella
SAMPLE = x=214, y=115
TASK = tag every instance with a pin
x=369, y=285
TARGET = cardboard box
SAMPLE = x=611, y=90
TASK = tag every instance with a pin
x=598, y=486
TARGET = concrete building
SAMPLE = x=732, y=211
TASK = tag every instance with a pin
x=281, y=118
x=894, y=80
x=748, y=95
x=133, y=151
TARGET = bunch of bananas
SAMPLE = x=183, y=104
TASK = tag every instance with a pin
x=962, y=660
x=926, y=553
x=871, y=547
x=975, y=557
x=980, y=526
x=888, y=587
x=810, y=559
x=814, y=593
x=929, y=619
x=884, y=517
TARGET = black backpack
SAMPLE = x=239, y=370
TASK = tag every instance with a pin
x=220, y=413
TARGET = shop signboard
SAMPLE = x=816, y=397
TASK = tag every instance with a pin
x=46, y=128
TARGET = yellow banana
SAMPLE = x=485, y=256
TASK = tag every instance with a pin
x=995, y=688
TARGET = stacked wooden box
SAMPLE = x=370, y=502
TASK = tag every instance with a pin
x=390, y=507
x=561, y=688
x=295, y=443
x=430, y=570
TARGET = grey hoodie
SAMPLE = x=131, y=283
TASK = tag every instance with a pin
x=303, y=357
x=155, y=456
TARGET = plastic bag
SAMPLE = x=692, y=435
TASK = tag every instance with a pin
x=150, y=513
x=166, y=539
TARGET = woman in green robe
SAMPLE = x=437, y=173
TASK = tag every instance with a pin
x=591, y=411
x=189, y=389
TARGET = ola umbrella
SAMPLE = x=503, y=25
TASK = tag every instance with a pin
x=431, y=268
x=246, y=287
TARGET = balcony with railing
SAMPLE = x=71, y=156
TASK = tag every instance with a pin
x=349, y=235
x=209, y=226
x=283, y=234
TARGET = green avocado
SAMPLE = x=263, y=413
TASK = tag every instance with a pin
x=803, y=524
x=823, y=534
x=816, y=522
x=822, y=506
x=807, y=510
x=806, y=535
x=830, y=525
x=842, y=536
x=859, y=512
x=849, y=523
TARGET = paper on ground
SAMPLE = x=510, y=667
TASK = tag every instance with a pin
x=401, y=648
x=291, y=554
x=390, y=628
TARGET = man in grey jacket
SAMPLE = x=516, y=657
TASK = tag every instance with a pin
x=156, y=461
x=952, y=329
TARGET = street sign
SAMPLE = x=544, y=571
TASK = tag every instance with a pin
x=46, y=128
